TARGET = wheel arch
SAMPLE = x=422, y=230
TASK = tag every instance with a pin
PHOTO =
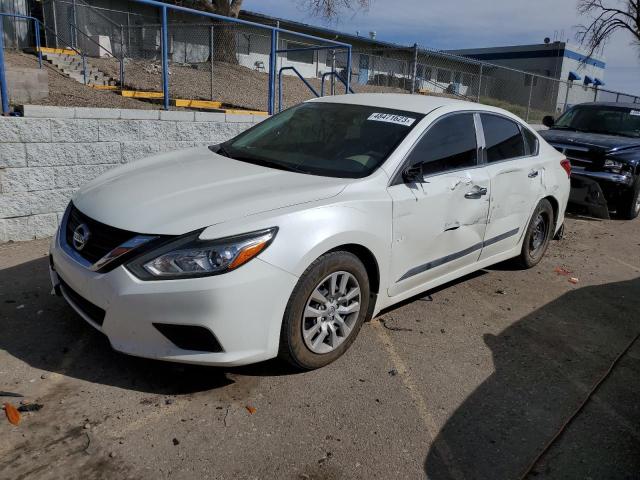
x=368, y=259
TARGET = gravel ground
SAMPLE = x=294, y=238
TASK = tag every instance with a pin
x=66, y=92
x=469, y=382
x=233, y=85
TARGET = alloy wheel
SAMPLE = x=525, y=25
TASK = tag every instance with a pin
x=539, y=236
x=331, y=312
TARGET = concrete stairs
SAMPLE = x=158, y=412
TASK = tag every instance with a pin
x=71, y=66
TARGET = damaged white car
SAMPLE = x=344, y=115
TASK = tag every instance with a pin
x=285, y=239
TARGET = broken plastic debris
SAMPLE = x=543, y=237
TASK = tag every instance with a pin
x=12, y=414
x=251, y=409
x=573, y=280
x=10, y=394
x=30, y=407
x=562, y=271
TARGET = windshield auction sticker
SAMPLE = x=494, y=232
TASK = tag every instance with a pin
x=391, y=118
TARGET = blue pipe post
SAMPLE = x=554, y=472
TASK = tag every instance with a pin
x=271, y=101
x=347, y=84
x=36, y=25
x=3, y=79
x=165, y=59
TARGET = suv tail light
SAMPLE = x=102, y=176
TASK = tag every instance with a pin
x=566, y=164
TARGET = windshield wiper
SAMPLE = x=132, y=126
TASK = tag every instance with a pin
x=609, y=132
x=566, y=127
x=263, y=162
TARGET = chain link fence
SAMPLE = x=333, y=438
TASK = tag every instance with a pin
x=227, y=64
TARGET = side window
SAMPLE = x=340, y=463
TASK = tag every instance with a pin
x=450, y=144
x=502, y=137
x=531, y=141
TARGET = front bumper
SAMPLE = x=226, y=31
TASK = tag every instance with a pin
x=243, y=309
x=597, y=191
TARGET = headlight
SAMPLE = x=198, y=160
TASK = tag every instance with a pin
x=190, y=257
x=612, y=165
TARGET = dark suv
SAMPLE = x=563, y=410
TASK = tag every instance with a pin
x=602, y=141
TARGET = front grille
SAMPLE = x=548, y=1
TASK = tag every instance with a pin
x=95, y=313
x=102, y=238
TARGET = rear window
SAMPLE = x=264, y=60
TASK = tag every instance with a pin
x=502, y=137
x=329, y=139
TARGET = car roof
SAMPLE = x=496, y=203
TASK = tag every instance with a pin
x=401, y=101
x=610, y=104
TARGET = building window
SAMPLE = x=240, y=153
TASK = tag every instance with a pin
x=302, y=56
x=527, y=80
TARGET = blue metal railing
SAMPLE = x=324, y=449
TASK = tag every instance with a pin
x=309, y=86
x=164, y=8
x=4, y=91
x=336, y=75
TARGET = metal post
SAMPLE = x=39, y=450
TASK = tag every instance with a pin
x=348, y=79
x=3, y=79
x=480, y=82
x=595, y=95
x=84, y=68
x=414, y=72
x=529, y=101
x=122, y=56
x=55, y=23
x=617, y=97
x=566, y=97
x=271, y=100
x=128, y=33
x=211, y=58
x=333, y=70
x=36, y=26
x=74, y=34
x=165, y=59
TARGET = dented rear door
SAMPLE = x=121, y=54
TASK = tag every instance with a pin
x=516, y=183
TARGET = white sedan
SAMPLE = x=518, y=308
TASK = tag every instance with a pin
x=285, y=239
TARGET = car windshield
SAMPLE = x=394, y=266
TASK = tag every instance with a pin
x=328, y=139
x=612, y=120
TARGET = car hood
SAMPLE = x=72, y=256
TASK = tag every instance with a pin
x=178, y=192
x=599, y=141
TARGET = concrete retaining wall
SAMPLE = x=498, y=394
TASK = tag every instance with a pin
x=50, y=152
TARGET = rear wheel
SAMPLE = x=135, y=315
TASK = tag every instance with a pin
x=325, y=311
x=629, y=207
x=538, y=234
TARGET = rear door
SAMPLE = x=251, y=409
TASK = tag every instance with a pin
x=439, y=224
x=516, y=172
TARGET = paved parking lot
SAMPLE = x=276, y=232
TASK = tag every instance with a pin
x=470, y=382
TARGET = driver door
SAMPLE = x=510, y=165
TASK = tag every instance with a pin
x=439, y=223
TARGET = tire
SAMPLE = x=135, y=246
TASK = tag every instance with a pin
x=299, y=319
x=629, y=207
x=536, y=241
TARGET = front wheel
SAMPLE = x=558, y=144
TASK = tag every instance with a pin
x=325, y=311
x=538, y=235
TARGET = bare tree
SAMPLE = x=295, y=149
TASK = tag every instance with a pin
x=331, y=9
x=608, y=17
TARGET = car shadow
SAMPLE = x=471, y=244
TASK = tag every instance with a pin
x=41, y=330
x=545, y=365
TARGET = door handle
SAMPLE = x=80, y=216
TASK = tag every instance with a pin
x=533, y=174
x=476, y=192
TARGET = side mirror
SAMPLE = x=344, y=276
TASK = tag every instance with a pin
x=413, y=174
x=548, y=121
